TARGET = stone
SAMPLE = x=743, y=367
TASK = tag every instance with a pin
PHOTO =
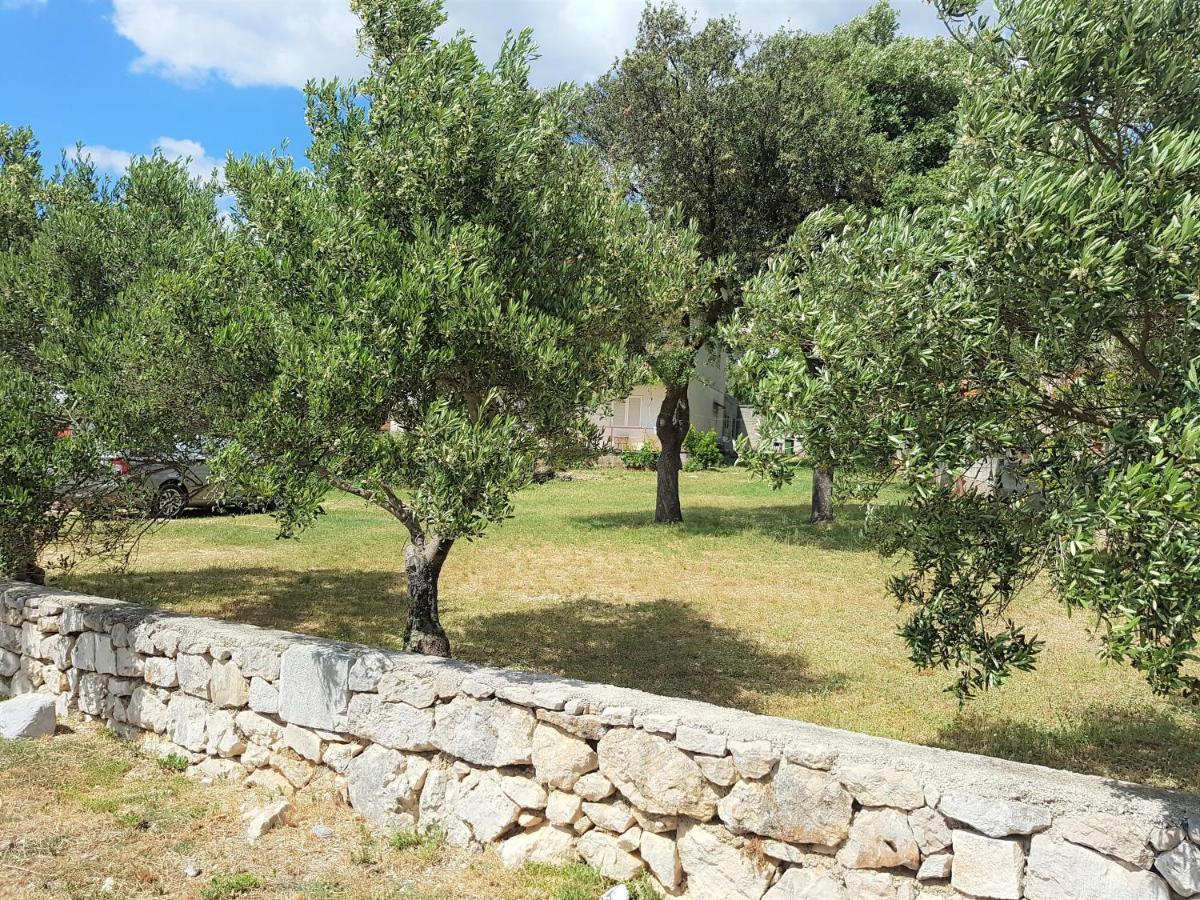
x=271, y=782
x=563, y=808
x=529, y=819
x=995, y=818
x=873, y=786
x=415, y=689
x=697, y=741
x=1060, y=870
x=753, y=759
x=798, y=805
x=187, y=721
x=129, y=664
x=806, y=884
x=616, y=892
x=385, y=784
x=166, y=641
x=935, y=867
x=303, y=741
x=930, y=829
x=525, y=792
x=987, y=867
x=312, y=686
x=658, y=724
x=811, y=757
x=1167, y=837
x=588, y=727
x=27, y=716
x=147, y=711
x=1112, y=835
x=264, y=818
x=439, y=805
x=719, y=770
x=1181, y=868
x=545, y=845
x=485, y=732
x=297, y=771
x=659, y=853
x=1193, y=829
x=782, y=851
x=57, y=648
x=338, y=756
x=559, y=759
x=258, y=728
x=880, y=838
x=600, y=850
x=262, y=696
x=218, y=770
x=93, y=688
x=861, y=885
x=630, y=839
x=655, y=824
x=487, y=809
x=614, y=815
x=395, y=725
x=367, y=670
x=718, y=867
x=160, y=672
x=83, y=654
x=193, y=673
x=228, y=688
x=616, y=716
x=256, y=661
x=223, y=737
x=594, y=787
x=10, y=663
x=655, y=775
x=324, y=832
x=255, y=756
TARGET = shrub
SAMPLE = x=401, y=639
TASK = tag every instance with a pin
x=644, y=457
x=703, y=449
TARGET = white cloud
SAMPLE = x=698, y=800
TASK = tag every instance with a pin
x=286, y=42
x=199, y=165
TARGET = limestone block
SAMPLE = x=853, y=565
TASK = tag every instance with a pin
x=147, y=711
x=987, y=867
x=27, y=716
x=563, y=808
x=160, y=672
x=545, y=845
x=1117, y=836
x=224, y=740
x=1059, y=870
x=995, y=818
x=720, y=770
x=601, y=851
x=10, y=663
x=718, y=867
x=1181, y=868
x=523, y=791
x=797, y=805
x=876, y=786
x=258, y=728
x=594, y=787
x=263, y=697
x=384, y=785
x=395, y=725
x=880, y=838
x=367, y=670
x=655, y=775
x=188, y=718
x=312, y=686
x=129, y=663
x=56, y=648
x=662, y=858
x=338, y=756
x=559, y=759
x=263, y=819
x=193, y=673
x=930, y=829
x=303, y=741
x=487, y=809
x=807, y=884
x=93, y=688
x=227, y=687
x=255, y=661
x=485, y=732
x=697, y=741
x=613, y=815
x=753, y=759
x=935, y=867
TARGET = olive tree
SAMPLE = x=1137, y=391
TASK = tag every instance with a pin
x=1046, y=320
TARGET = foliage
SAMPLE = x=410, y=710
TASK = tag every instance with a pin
x=643, y=457
x=1047, y=319
x=223, y=885
x=702, y=447
x=173, y=762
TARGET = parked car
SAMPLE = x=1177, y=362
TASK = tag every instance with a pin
x=182, y=483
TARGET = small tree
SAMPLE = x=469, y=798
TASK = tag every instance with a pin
x=439, y=304
x=1048, y=321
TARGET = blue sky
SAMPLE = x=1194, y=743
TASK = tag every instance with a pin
x=202, y=77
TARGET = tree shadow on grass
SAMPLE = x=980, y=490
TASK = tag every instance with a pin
x=661, y=646
x=1133, y=743
x=784, y=523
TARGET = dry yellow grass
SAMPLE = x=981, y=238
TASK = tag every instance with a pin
x=84, y=808
x=744, y=605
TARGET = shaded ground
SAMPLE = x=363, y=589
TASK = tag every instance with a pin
x=745, y=605
x=82, y=808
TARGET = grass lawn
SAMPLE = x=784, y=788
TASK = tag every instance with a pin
x=744, y=605
x=84, y=808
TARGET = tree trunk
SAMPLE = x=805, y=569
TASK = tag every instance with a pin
x=671, y=427
x=822, y=494
x=423, y=632
x=24, y=564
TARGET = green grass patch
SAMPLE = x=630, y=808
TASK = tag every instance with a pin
x=223, y=886
x=173, y=762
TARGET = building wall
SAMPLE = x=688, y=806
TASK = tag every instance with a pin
x=716, y=804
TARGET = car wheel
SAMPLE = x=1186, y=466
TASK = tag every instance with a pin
x=170, y=501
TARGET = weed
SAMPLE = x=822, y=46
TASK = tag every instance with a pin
x=223, y=886
x=173, y=762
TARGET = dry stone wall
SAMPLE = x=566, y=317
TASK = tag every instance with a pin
x=715, y=804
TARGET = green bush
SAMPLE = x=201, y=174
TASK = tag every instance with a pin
x=645, y=457
x=703, y=449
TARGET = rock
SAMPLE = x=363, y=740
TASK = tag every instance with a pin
x=1059, y=870
x=160, y=672
x=384, y=785
x=811, y=757
x=324, y=832
x=485, y=732
x=262, y=696
x=1181, y=868
x=523, y=791
x=594, y=787
x=753, y=759
x=785, y=852
x=438, y=805
x=601, y=851
x=1193, y=828
x=338, y=756
x=616, y=892
x=661, y=858
x=655, y=824
x=129, y=663
x=303, y=741
x=659, y=724
x=807, y=884
x=530, y=820
x=995, y=818
x=193, y=673
x=1112, y=835
x=630, y=839
x=191, y=870
x=258, y=728
x=617, y=716
x=256, y=756
x=1167, y=837
x=271, y=782
x=10, y=663
x=218, y=770
x=395, y=725
x=93, y=689
x=312, y=686
x=487, y=809
x=223, y=737
x=987, y=867
x=880, y=838
x=187, y=721
x=264, y=818
x=227, y=687
x=614, y=816
x=588, y=727
x=27, y=716
x=418, y=690
x=546, y=845
x=717, y=867
x=559, y=759
x=57, y=648
x=798, y=805
x=697, y=741
x=718, y=769
x=862, y=885
x=935, y=866
x=930, y=829
x=146, y=711
x=872, y=786
x=655, y=775
x=367, y=670
x=563, y=808
x=298, y=772
x=257, y=661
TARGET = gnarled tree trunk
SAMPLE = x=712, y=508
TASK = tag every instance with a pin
x=423, y=559
x=822, y=494
x=674, y=417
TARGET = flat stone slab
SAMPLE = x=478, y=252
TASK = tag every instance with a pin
x=27, y=716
